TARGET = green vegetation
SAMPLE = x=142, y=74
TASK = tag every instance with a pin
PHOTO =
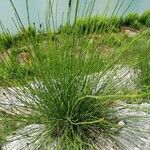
x=145, y=18
x=132, y=20
x=57, y=74
x=95, y=24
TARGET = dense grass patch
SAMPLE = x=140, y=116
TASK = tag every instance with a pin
x=145, y=18
x=94, y=24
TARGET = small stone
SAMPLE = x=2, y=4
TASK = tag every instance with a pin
x=131, y=33
x=121, y=123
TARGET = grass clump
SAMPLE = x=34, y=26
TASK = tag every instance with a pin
x=62, y=103
x=144, y=63
x=145, y=18
x=132, y=19
x=71, y=96
x=6, y=41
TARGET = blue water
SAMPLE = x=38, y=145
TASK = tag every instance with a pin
x=37, y=10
